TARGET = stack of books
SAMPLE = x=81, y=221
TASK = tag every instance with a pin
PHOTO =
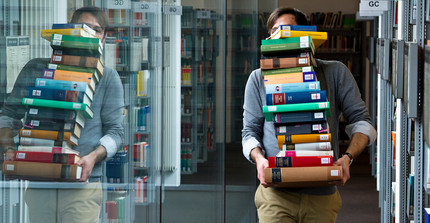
x=58, y=105
x=298, y=108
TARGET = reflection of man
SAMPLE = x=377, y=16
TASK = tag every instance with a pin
x=100, y=138
x=259, y=141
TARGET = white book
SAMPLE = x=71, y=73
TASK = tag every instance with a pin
x=48, y=149
x=294, y=153
x=321, y=146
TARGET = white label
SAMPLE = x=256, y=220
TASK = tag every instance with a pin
x=203, y=14
x=76, y=106
x=20, y=155
x=150, y=7
x=313, y=86
x=306, y=69
x=37, y=92
x=334, y=173
x=271, y=108
x=10, y=167
x=325, y=160
x=56, y=42
x=322, y=105
x=366, y=5
x=52, y=66
x=172, y=9
x=35, y=122
x=282, y=129
x=316, y=127
x=75, y=31
x=26, y=140
x=303, y=61
x=304, y=39
x=26, y=132
x=33, y=111
x=324, y=137
x=309, y=77
x=286, y=33
x=58, y=37
x=316, y=96
x=67, y=126
x=318, y=115
x=323, y=145
x=304, y=55
x=28, y=101
x=49, y=74
x=57, y=58
x=304, y=45
x=118, y=4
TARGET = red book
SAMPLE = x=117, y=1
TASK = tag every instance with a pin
x=46, y=157
x=300, y=161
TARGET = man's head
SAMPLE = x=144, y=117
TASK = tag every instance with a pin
x=94, y=17
x=285, y=16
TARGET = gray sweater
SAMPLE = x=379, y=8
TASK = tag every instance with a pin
x=105, y=128
x=343, y=95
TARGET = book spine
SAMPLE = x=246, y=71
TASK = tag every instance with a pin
x=47, y=149
x=41, y=134
x=288, y=70
x=268, y=110
x=299, y=117
x=56, y=94
x=292, y=87
x=303, y=174
x=302, y=128
x=315, y=146
x=289, y=78
x=298, y=28
x=44, y=157
x=43, y=170
x=53, y=104
x=62, y=85
x=296, y=97
x=276, y=63
x=81, y=61
x=300, y=161
x=304, y=138
x=59, y=41
x=74, y=26
x=294, y=153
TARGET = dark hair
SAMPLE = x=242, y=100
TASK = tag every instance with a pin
x=98, y=13
x=299, y=16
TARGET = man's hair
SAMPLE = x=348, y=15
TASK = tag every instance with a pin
x=299, y=16
x=98, y=13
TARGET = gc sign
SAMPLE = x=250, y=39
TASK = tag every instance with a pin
x=374, y=5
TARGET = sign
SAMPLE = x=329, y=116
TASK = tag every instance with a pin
x=150, y=7
x=172, y=9
x=374, y=5
x=203, y=14
x=118, y=4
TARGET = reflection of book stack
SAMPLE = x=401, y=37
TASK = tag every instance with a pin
x=298, y=108
x=58, y=104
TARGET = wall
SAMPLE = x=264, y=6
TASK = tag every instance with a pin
x=317, y=6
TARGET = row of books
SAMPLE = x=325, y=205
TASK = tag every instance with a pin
x=58, y=105
x=140, y=118
x=298, y=108
x=332, y=20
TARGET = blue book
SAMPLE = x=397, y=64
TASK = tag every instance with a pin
x=298, y=28
x=65, y=85
x=427, y=215
x=292, y=87
x=299, y=117
x=296, y=97
x=57, y=94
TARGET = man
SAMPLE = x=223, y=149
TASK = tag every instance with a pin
x=259, y=141
x=99, y=139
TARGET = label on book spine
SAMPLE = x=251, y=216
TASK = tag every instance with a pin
x=303, y=61
x=318, y=115
x=325, y=160
x=316, y=96
x=276, y=175
x=334, y=173
x=271, y=108
x=309, y=77
x=10, y=167
x=324, y=137
x=306, y=69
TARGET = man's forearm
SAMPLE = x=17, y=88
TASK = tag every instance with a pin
x=99, y=153
x=256, y=154
x=358, y=143
x=6, y=138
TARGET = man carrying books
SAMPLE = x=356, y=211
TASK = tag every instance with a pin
x=98, y=140
x=287, y=198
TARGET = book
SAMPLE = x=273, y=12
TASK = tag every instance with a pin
x=47, y=33
x=79, y=52
x=269, y=110
x=87, y=112
x=294, y=153
x=298, y=28
x=318, y=38
x=59, y=41
x=48, y=149
x=426, y=215
x=55, y=114
x=45, y=157
x=289, y=78
x=94, y=71
x=59, y=95
x=303, y=138
x=301, y=128
x=65, y=75
x=300, y=161
x=302, y=176
x=287, y=55
x=47, y=134
x=287, y=70
x=292, y=87
x=53, y=125
x=282, y=46
x=27, y=141
x=319, y=146
x=65, y=85
x=287, y=62
x=299, y=117
x=80, y=61
x=74, y=26
x=296, y=97
x=42, y=171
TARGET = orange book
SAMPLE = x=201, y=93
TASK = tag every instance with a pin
x=303, y=138
x=298, y=77
x=41, y=171
x=65, y=75
x=80, y=61
x=276, y=63
x=46, y=134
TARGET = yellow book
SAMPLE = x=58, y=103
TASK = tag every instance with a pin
x=318, y=38
x=288, y=78
x=303, y=138
x=47, y=33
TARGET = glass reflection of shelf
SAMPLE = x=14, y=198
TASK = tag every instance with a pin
x=187, y=143
x=142, y=132
x=187, y=114
x=141, y=204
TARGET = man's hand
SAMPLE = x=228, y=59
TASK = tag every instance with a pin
x=261, y=163
x=6, y=142
x=87, y=162
x=344, y=162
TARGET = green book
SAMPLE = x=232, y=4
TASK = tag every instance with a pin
x=295, y=40
x=288, y=47
x=64, y=41
x=94, y=71
x=86, y=111
x=288, y=70
x=269, y=110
